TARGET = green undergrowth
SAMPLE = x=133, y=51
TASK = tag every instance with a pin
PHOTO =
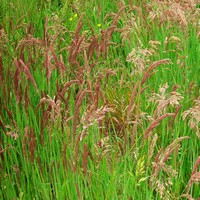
x=99, y=100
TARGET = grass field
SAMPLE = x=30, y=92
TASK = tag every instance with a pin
x=99, y=99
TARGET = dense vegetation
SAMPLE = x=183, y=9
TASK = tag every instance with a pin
x=99, y=99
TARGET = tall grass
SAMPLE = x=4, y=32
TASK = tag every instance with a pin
x=99, y=99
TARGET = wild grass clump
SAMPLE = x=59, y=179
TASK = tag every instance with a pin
x=99, y=100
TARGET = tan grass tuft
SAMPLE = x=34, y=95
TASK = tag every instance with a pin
x=174, y=11
x=163, y=187
x=92, y=116
x=12, y=134
x=140, y=58
x=164, y=100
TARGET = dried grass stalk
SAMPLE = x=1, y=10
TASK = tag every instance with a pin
x=164, y=100
x=189, y=197
x=154, y=124
x=163, y=187
x=1, y=69
x=161, y=158
x=97, y=90
x=46, y=32
x=26, y=99
x=92, y=116
x=59, y=64
x=77, y=147
x=79, y=99
x=40, y=167
x=78, y=192
x=195, y=176
x=67, y=85
x=194, y=117
x=28, y=73
x=12, y=134
x=25, y=137
x=152, y=147
x=51, y=102
x=152, y=67
x=130, y=107
x=47, y=65
x=85, y=159
x=92, y=47
x=32, y=144
x=173, y=11
x=174, y=116
x=17, y=89
x=76, y=42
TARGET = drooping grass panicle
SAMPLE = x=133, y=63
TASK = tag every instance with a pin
x=162, y=157
x=76, y=42
x=156, y=64
x=194, y=117
x=92, y=47
x=52, y=103
x=165, y=100
x=67, y=85
x=195, y=175
x=11, y=117
x=28, y=73
x=174, y=116
x=152, y=147
x=154, y=124
x=163, y=187
x=59, y=64
x=32, y=144
x=92, y=116
x=17, y=85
